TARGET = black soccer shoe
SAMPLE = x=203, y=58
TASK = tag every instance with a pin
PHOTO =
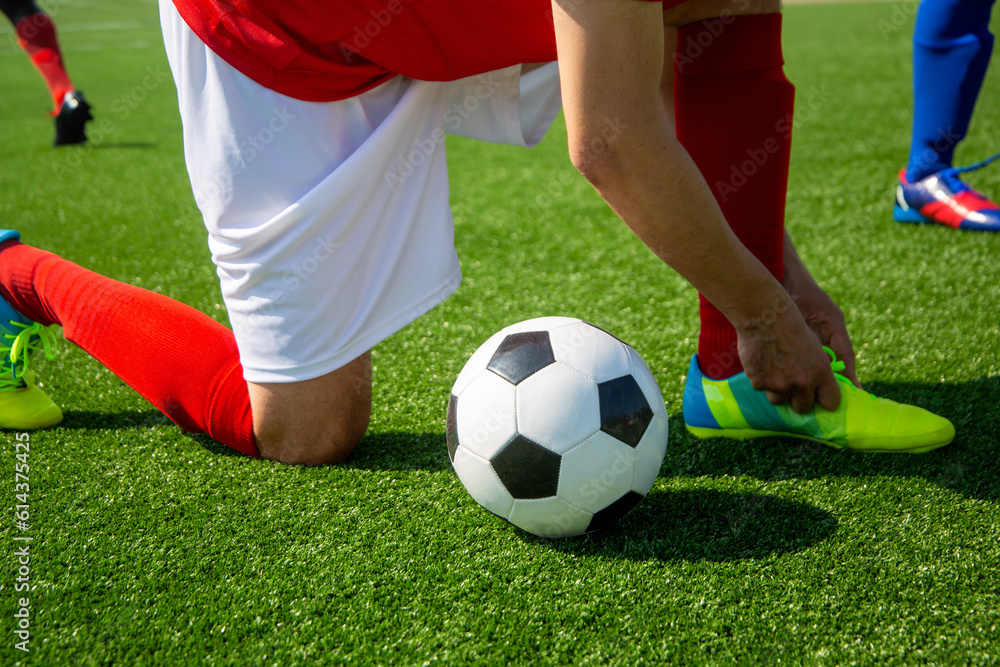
x=70, y=121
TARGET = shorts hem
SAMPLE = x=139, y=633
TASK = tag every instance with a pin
x=317, y=369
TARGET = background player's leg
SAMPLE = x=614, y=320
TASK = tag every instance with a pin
x=733, y=109
x=187, y=364
x=951, y=52
x=37, y=36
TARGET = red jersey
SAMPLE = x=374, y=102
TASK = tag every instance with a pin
x=324, y=51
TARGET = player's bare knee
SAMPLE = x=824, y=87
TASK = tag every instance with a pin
x=313, y=422
x=327, y=443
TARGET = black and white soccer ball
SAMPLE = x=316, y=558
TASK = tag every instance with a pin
x=556, y=426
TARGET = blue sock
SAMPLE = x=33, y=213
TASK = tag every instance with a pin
x=951, y=51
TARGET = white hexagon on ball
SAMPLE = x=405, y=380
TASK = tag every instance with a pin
x=558, y=408
x=549, y=517
x=482, y=483
x=649, y=454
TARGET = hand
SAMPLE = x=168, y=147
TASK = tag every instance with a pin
x=826, y=320
x=818, y=309
x=786, y=360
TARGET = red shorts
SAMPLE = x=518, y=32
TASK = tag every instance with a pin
x=321, y=51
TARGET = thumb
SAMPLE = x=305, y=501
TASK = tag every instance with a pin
x=828, y=393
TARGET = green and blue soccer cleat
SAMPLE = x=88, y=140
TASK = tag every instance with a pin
x=22, y=404
x=732, y=408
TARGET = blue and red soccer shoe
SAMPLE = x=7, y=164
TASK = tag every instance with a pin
x=944, y=199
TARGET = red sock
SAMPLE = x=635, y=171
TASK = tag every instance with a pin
x=181, y=360
x=734, y=116
x=37, y=35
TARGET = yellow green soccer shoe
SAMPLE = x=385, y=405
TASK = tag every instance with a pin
x=22, y=404
x=732, y=408
x=26, y=407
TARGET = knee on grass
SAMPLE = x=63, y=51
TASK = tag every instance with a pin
x=313, y=422
x=326, y=443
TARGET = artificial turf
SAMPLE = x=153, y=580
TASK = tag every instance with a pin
x=153, y=546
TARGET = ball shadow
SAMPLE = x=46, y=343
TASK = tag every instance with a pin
x=707, y=525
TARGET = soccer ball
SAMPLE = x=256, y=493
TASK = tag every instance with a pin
x=556, y=426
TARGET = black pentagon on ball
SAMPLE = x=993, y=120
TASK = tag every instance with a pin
x=527, y=469
x=616, y=510
x=521, y=355
x=451, y=427
x=625, y=412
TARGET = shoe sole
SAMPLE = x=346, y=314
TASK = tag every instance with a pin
x=900, y=214
x=702, y=432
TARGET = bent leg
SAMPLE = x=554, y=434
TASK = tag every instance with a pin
x=187, y=365
x=36, y=34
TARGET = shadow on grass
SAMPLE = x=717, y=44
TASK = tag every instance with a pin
x=131, y=419
x=969, y=466
x=89, y=420
x=126, y=144
x=706, y=525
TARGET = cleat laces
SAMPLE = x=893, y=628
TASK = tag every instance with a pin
x=950, y=175
x=17, y=349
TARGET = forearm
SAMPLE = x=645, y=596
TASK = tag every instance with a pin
x=661, y=196
x=620, y=141
x=611, y=65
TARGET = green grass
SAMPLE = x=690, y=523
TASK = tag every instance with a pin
x=152, y=546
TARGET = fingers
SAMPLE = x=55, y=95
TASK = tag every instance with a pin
x=827, y=394
x=801, y=396
x=789, y=364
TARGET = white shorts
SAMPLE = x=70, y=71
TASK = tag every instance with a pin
x=329, y=223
